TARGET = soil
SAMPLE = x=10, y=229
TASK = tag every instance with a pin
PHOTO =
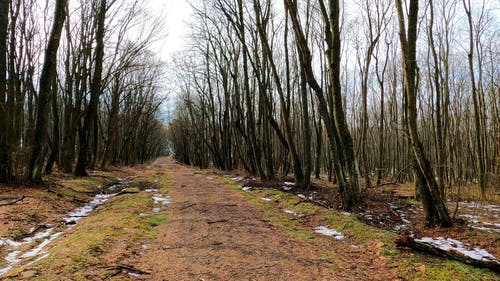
x=394, y=208
x=212, y=232
x=215, y=234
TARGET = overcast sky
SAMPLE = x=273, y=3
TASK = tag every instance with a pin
x=176, y=13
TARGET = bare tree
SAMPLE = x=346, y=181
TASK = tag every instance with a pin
x=434, y=203
x=95, y=92
x=4, y=150
x=47, y=77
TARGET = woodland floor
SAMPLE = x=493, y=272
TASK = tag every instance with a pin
x=173, y=222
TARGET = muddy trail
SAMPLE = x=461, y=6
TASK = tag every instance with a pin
x=172, y=222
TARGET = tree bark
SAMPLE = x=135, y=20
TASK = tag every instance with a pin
x=95, y=92
x=4, y=149
x=422, y=165
x=49, y=71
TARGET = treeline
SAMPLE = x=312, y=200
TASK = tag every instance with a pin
x=315, y=88
x=79, y=87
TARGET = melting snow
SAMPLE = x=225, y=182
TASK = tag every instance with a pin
x=482, y=226
x=88, y=208
x=247, y=188
x=329, y=232
x=15, y=256
x=287, y=183
x=10, y=243
x=290, y=212
x=266, y=199
x=474, y=205
x=151, y=190
x=39, y=235
x=302, y=196
x=452, y=244
x=238, y=179
x=39, y=249
x=161, y=200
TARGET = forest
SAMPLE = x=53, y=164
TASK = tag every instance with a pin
x=363, y=92
x=281, y=140
x=80, y=88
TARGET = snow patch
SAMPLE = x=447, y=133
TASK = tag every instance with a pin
x=84, y=211
x=482, y=225
x=290, y=212
x=39, y=249
x=36, y=249
x=247, y=188
x=455, y=245
x=329, y=232
x=160, y=200
x=266, y=199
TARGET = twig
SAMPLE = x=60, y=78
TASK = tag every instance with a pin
x=12, y=202
x=119, y=268
x=187, y=206
x=217, y=221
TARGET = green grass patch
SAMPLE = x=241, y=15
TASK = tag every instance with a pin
x=158, y=220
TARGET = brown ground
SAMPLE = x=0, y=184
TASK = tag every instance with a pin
x=212, y=233
x=215, y=234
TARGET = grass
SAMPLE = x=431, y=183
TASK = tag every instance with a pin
x=410, y=265
x=112, y=228
x=158, y=220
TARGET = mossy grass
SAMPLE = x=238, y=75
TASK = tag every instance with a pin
x=126, y=219
x=409, y=264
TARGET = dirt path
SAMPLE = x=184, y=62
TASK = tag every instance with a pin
x=173, y=222
x=215, y=234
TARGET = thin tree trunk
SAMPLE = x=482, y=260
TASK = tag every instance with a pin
x=95, y=92
x=479, y=152
x=423, y=170
x=4, y=149
x=49, y=71
x=54, y=153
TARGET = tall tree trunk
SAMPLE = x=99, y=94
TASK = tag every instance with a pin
x=306, y=63
x=440, y=145
x=479, y=152
x=351, y=192
x=49, y=71
x=425, y=176
x=111, y=143
x=95, y=92
x=307, y=130
x=54, y=150
x=4, y=149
